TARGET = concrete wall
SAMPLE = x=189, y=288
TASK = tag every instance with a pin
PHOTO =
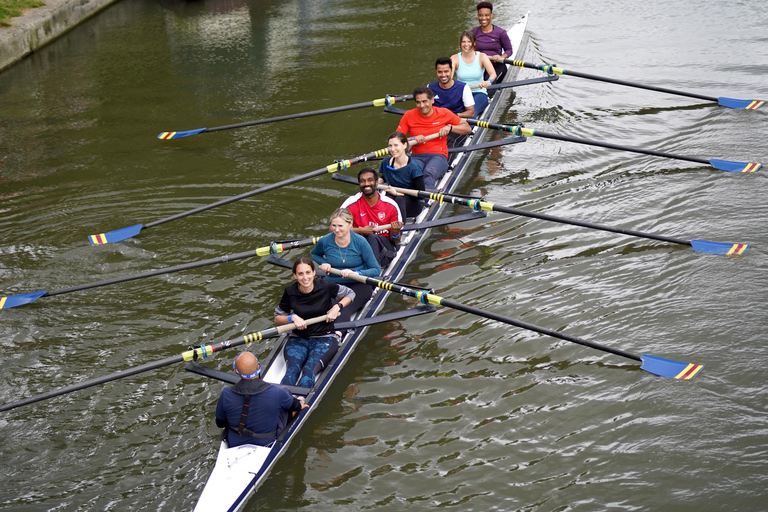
x=39, y=26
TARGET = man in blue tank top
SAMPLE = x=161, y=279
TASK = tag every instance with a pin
x=451, y=94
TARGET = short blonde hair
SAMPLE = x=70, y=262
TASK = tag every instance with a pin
x=343, y=214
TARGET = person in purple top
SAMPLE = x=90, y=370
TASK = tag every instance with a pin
x=492, y=40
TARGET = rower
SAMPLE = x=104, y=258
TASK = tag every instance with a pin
x=347, y=251
x=451, y=94
x=307, y=344
x=369, y=210
x=257, y=408
x=400, y=170
x=492, y=40
x=422, y=121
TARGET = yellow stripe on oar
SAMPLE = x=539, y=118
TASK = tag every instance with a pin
x=250, y=338
x=751, y=167
x=99, y=239
x=690, y=371
x=737, y=250
x=167, y=135
x=755, y=105
x=2, y=302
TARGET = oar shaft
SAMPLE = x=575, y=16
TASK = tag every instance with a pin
x=477, y=204
x=343, y=164
x=158, y=272
x=93, y=382
x=560, y=71
x=381, y=102
x=428, y=298
x=190, y=355
x=244, y=195
x=261, y=251
x=520, y=130
x=531, y=327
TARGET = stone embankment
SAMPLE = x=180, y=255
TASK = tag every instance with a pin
x=39, y=26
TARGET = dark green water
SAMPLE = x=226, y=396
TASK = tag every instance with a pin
x=448, y=411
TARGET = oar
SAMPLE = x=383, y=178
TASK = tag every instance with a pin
x=12, y=301
x=381, y=102
x=725, y=102
x=119, y=235
x=723, y=165
x=203, y=351
x=520, y=130
x=656, y=365
x=480, y=205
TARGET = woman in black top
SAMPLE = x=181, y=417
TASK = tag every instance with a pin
x=304, y=299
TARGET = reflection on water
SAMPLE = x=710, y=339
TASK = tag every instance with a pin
x=450, y=409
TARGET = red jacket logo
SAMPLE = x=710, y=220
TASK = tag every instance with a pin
x=382, y=216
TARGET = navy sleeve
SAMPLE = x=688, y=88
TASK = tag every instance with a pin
x=221, y=415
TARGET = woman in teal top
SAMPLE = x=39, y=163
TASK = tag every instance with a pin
x=349, y=252
x=468, y=68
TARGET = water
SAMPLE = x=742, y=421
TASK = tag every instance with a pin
x=451, y=410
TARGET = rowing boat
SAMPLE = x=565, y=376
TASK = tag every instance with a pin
x=239, y=471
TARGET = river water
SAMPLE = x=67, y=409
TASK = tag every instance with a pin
x=449, y=411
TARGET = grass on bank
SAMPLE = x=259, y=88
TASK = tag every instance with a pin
x=12, y=8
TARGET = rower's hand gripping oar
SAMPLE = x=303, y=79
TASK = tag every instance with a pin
x=554, y=70
x=381, y=102
x=11, y=301
x=480, y=205
x=203, y=351
x=119, y=235
x=520, y=130
x=652, y=364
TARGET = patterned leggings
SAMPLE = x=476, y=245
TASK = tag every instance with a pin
x=301, y=354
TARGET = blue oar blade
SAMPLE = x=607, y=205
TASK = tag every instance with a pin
x=178, y=135
x=727, y=165
x=719, y=248
x=668, y=368
x=117, y=235
x=12, y=301
x=743, y=104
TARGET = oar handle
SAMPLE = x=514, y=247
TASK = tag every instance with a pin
x=405, y=191
x=291, y=326
x=413, y=142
